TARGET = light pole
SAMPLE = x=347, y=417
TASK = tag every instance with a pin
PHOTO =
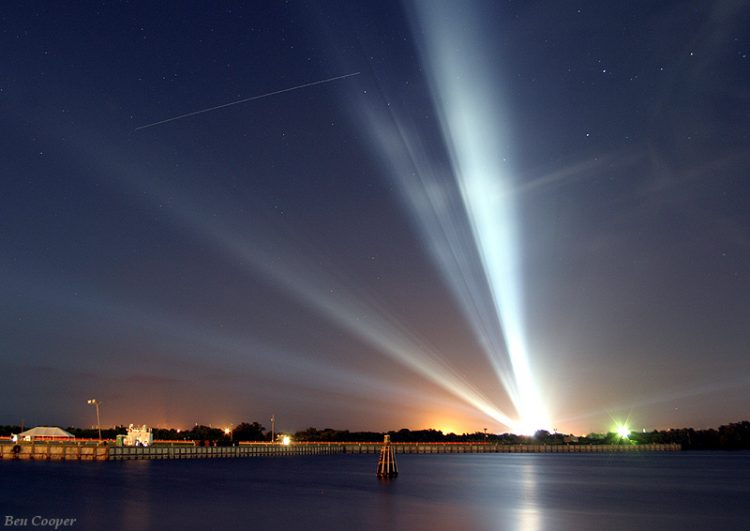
x=94, y=402
x=273, y=428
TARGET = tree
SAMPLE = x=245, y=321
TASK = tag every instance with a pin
x=249, y=432
x=205, y=433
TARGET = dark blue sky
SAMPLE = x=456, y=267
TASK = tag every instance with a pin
x=268, y=258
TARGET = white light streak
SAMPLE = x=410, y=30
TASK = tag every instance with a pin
x=466, y=98
x=245, y=100
x=355, y=312
x=240, y=354
x=432, y=196
x=267, y=255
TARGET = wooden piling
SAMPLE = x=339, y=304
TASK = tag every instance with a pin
x=387, y=467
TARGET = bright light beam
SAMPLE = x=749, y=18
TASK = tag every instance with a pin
x=352, y=310
x=347, y=308
x=465, y=96
x=432, y=197
x=241, y=354
x=318, y=289
x=245, y=100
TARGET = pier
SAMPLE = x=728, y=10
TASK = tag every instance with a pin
x=125, y=453
x=489, y=448
x=88, y=451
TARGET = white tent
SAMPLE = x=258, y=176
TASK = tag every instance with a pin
x=45, y=432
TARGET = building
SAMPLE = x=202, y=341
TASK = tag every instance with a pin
x=45, y=433
x=138, y=436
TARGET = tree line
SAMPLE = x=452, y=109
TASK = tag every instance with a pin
x=733, y=436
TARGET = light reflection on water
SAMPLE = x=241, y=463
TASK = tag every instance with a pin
x=135, y=509
x=529, y=512
x=524, y=492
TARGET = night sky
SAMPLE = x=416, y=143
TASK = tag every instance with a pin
x=324, y=255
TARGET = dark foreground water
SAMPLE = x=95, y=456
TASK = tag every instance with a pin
x=487, y=491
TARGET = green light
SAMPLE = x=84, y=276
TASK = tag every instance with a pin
x=623, y=431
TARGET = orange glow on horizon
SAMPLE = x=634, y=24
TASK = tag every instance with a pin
x=450, y=424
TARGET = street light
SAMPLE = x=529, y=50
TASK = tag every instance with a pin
x=273, y=428
x=94, y=402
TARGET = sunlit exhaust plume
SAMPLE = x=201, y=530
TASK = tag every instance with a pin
x=432, y=197
x=340, y=302
x=359, y=315
x=242, y=354
x=466, y=97
x=347, y=308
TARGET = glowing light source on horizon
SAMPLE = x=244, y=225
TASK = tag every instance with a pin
x=623, y=431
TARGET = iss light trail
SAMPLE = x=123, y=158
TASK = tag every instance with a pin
x=245, y=100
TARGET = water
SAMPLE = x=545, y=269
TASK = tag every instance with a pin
x=483, y=491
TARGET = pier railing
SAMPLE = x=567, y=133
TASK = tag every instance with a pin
x=482, y=448
x=83, y=451
x=125, y=453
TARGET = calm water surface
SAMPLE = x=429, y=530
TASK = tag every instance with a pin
x=487, y=491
